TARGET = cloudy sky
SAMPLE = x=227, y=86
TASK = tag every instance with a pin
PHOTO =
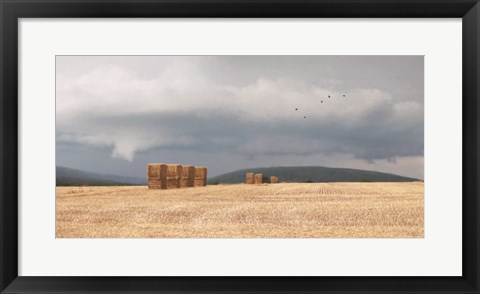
x=115, y=114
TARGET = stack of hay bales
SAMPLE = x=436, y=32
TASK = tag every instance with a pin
x=188, y=176
x=200, y=176
x=258, y=178
x=250, y=178
x=157, y=176
x=174, y=175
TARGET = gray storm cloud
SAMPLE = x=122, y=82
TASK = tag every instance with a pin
x=244, y=106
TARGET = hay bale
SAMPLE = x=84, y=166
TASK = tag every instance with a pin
x=200, y=176
x=174, y=175
x=258, y=179
x=200, y=172
x=188, y=176
x=156, y=176
x=154, y=184
x=250, y=178
x=273, y=179
x=154, y=170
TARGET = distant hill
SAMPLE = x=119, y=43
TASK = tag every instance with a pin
x=73, y=177
x=311, y=174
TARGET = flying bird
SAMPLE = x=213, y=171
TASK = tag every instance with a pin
x=328, y=96
x=296, y=109
x=344, y=95
x=321, y=101
x=304, y=117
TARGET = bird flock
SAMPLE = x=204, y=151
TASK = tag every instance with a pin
x=321, y=101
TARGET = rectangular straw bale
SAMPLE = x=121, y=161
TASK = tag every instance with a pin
x=250, y=178
x=155, y=184
x=200, y=176
x=174, y=175
x=273, y=180
x=258, y=179
x=188, y=176
x=156, y=176
x=154, y=170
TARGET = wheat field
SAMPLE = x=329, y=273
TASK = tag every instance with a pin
x=286, y=210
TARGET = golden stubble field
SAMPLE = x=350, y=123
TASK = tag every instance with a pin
x=286, y=210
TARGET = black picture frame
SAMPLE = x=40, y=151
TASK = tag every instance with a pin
x=12, y=10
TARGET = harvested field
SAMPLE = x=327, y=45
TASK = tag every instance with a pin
x=284, y=210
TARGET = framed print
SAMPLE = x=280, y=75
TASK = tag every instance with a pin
x=224, y=146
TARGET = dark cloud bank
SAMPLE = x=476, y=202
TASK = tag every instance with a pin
x=115, y=114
